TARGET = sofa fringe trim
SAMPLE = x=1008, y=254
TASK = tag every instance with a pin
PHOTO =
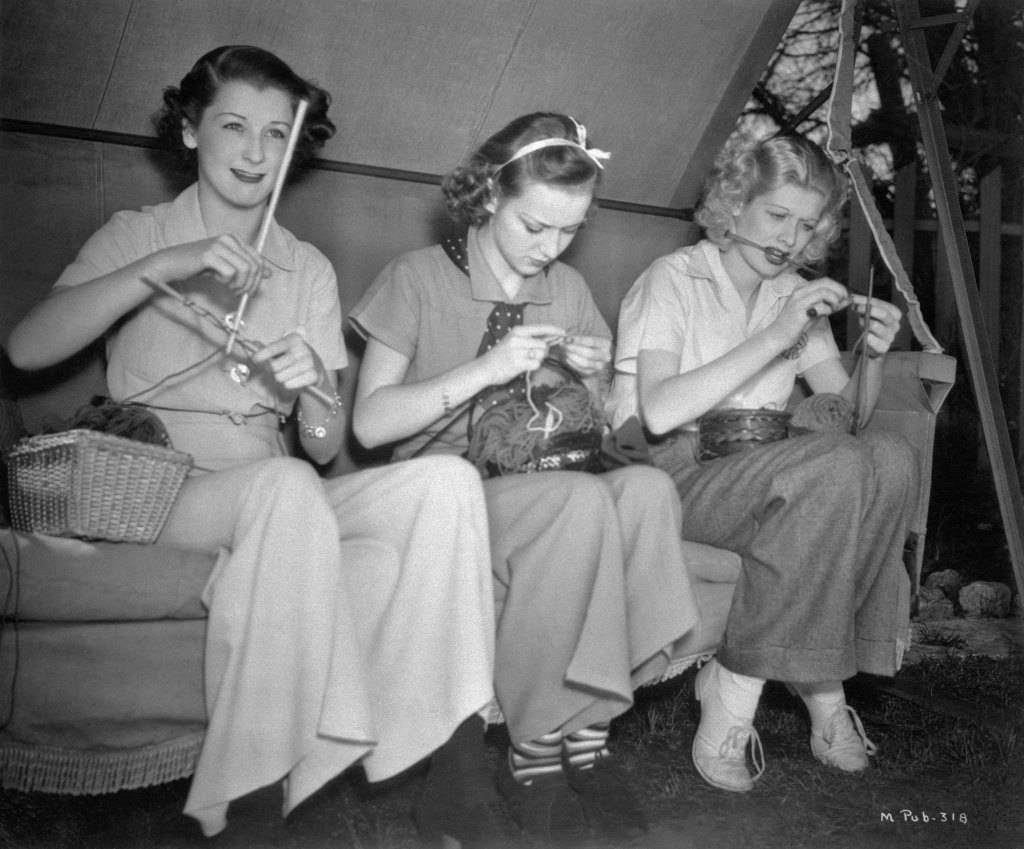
x=82, y=772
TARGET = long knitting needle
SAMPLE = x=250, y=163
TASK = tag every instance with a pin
x=235, y=322
x=865, y=354
x=862, y=358
x=250, y=346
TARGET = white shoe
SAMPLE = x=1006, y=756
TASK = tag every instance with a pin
x=723, y=763
x=843, y=742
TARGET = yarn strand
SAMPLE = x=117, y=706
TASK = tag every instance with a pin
x=509, y=436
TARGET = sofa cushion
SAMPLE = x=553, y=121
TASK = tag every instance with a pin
x=707, y=563
x=71, y=580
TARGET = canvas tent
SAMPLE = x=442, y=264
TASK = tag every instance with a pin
x=416, y=83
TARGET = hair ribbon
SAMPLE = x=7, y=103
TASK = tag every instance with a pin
x=597, y=156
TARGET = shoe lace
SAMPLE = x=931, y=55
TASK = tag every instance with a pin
x=735, y=743
x=845, y=728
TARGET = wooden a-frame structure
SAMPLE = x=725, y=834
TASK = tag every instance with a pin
x=926, y=79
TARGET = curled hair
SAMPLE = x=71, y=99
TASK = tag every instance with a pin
x=747, y=168
x=242, y=63
x=481, y=178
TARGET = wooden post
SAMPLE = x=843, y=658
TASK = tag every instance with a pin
x=990, y=225
x=982, y=370
x=990, y=255
x=945, y=301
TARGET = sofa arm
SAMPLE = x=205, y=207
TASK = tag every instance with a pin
x=71, y=580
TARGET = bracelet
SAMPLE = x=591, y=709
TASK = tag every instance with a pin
x=320, y=431
x=446, y=402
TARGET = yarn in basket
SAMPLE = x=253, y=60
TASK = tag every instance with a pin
x=556, y=426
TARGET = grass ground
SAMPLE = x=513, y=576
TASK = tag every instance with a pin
x=946, y=777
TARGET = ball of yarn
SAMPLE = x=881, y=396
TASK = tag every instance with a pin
x=508, y=438
x=822, y=411
x=131, y=421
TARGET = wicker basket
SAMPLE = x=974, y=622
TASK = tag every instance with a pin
x=727, y=431
x=83, y=483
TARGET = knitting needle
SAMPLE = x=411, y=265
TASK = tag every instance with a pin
x=865, y=353
x=775, y=253
x=234, y=322
x=245, y=343
x=813, y=313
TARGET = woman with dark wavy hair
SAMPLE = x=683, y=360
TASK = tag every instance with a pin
x=589, y=580
x=820, y=520
x=350, y=619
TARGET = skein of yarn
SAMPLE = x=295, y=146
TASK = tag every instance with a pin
x=131, y=421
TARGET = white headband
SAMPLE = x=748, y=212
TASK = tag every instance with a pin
x=596, y=155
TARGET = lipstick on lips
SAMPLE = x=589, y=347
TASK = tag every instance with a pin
x=247, y=176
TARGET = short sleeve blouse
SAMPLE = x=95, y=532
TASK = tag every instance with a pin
x=165, y=337
x=426, y=308
x=685, y=303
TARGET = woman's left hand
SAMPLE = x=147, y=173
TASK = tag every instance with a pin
x=291, y=361
x=588, y=355
x=881, y=325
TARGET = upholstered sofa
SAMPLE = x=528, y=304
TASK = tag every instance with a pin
x=101, y=676
x=101, y=672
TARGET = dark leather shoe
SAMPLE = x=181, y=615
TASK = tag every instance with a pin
x=611, y=807
x=459, y=805
x=463, y=811
x=454, y=824
x=546, y=809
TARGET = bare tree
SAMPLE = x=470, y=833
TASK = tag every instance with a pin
x=982, y=91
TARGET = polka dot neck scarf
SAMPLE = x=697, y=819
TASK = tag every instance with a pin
x=503, y=318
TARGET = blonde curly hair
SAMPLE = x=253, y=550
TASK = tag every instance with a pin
x=747, y=167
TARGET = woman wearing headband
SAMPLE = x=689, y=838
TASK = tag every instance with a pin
x=820, y=520
x=308, y=668
x=589, y=580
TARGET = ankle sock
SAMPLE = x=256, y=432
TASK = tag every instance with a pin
x=738, y=695
x=584, y=747
x=823, y=699
x=536, y=758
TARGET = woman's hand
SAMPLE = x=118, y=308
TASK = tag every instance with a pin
x=818, y=298
x=587, y=355
x=293, y=364
x=224, y=259
x=880, y=326
x=522, y=349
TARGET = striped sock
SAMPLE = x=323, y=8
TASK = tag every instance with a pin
x=584, y=747
x=536, y=758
